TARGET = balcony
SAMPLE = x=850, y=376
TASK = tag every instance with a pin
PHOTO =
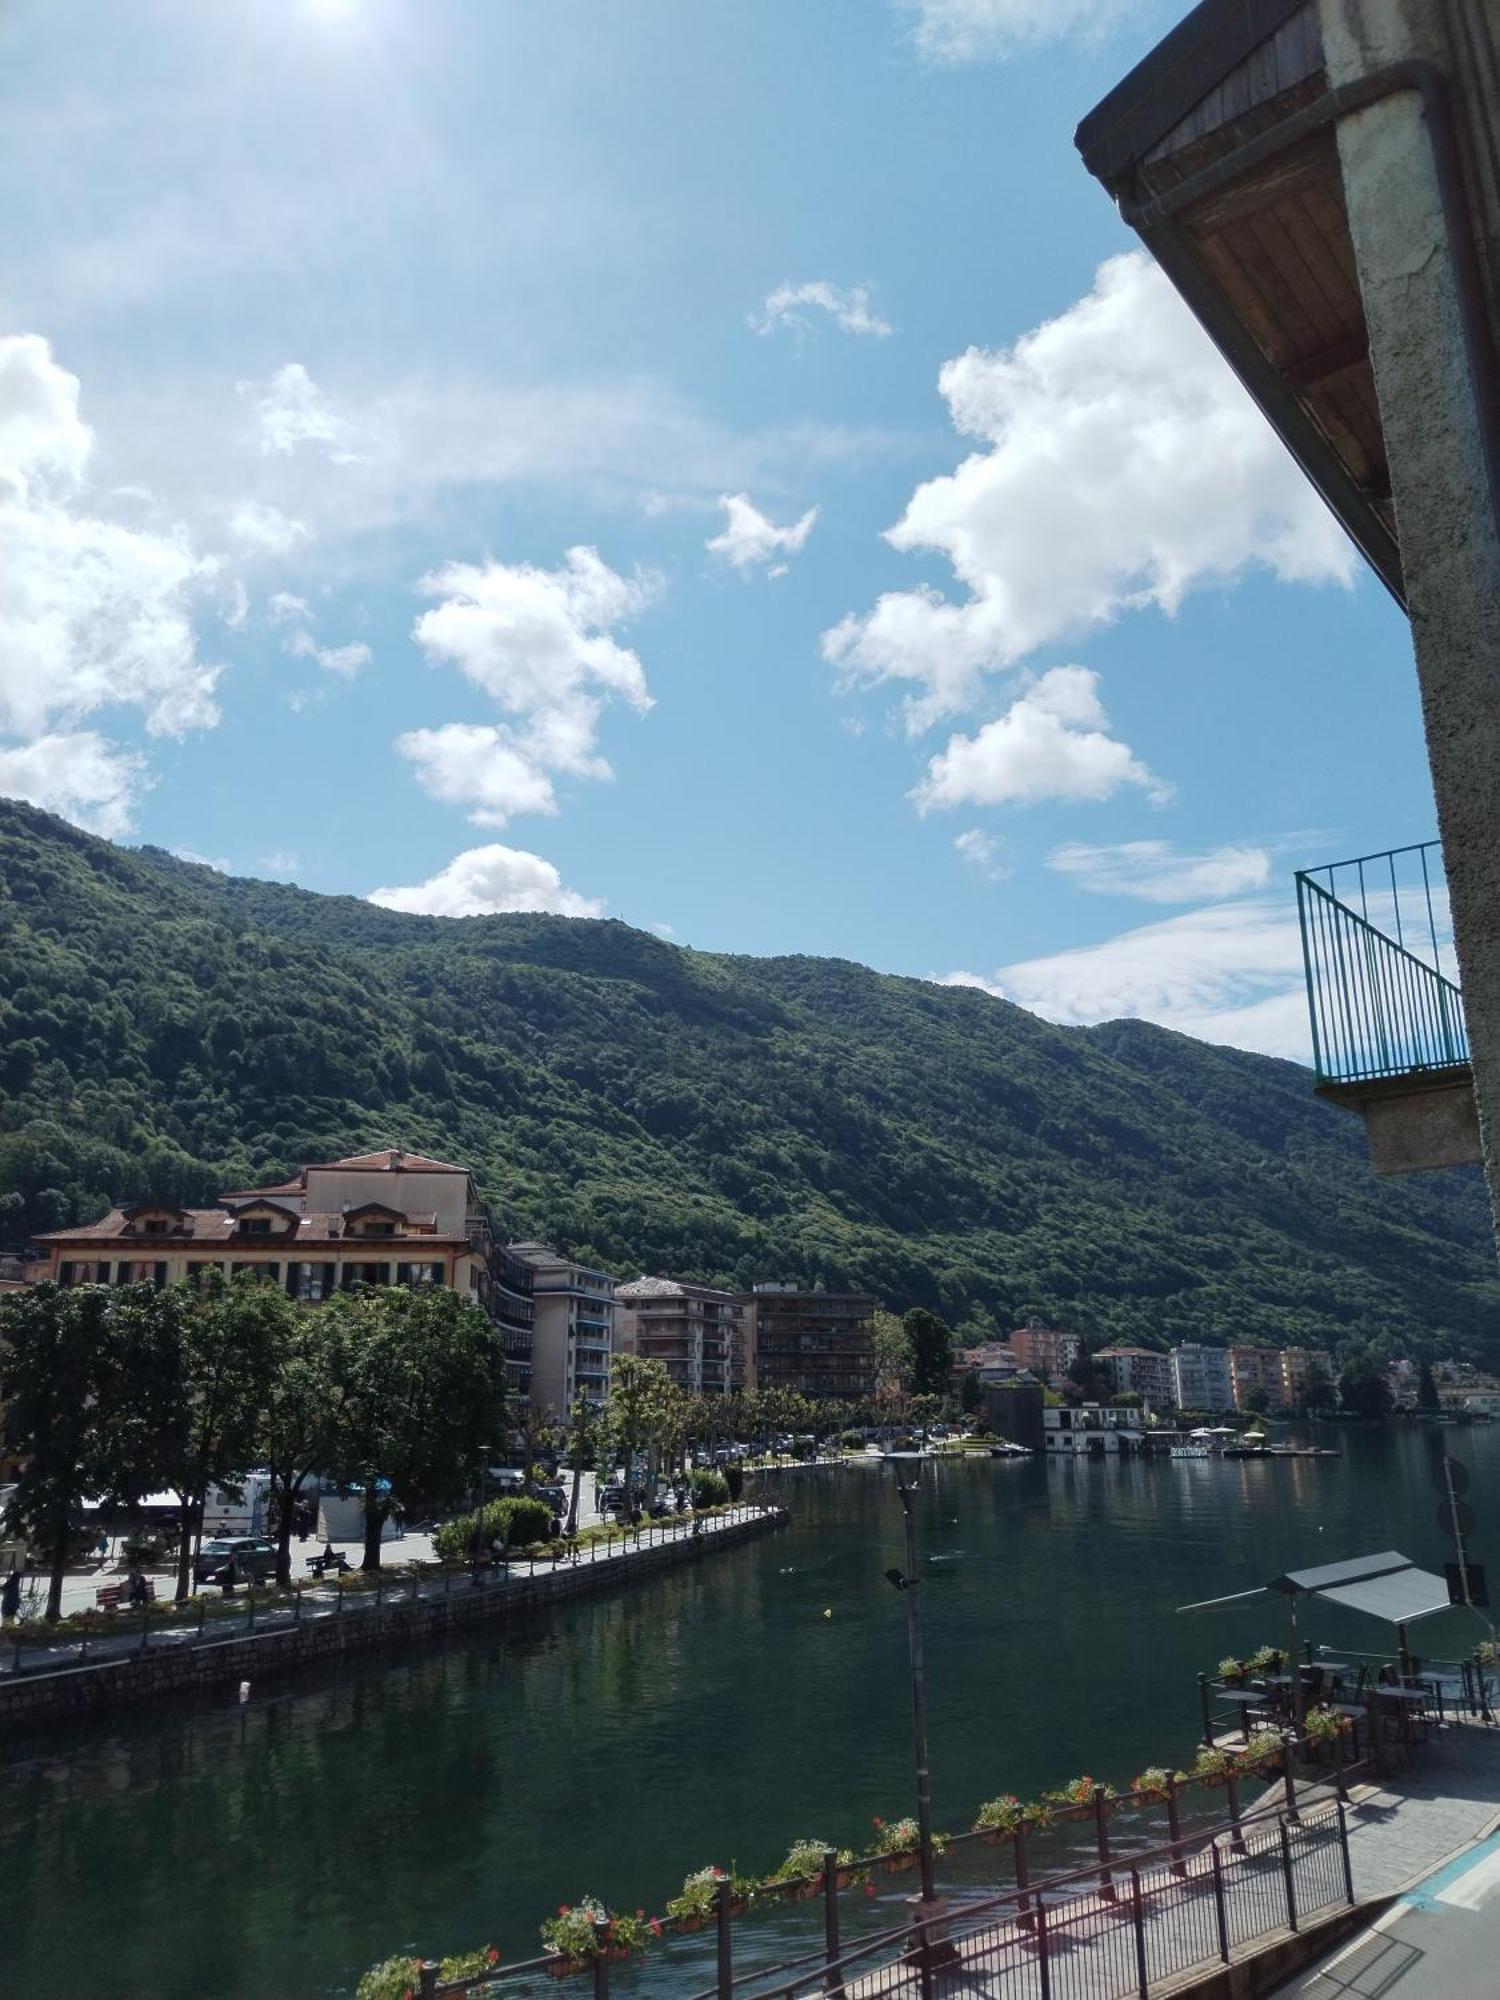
x=1387, y=1020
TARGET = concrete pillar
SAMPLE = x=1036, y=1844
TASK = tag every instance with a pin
x=1445, y=507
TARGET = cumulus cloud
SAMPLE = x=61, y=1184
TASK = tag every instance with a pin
x=986, y=855
x=282, y=607
x=962, y=31
x=1122, y=465
x=484, y=881
x=1230, y=973
x=1053, y=742
x=93, y=614
x=1156, y=872
x=265, y=529
x=848, y=306
x=751, y=540
x=345, y=661
x=79, y=775
x=291, y=410
x=283, y=862
x=540, y=643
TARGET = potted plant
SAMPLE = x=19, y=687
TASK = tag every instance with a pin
x=1075, y=1799
x=699, y=1900
x=897, y=1842
x=1232, y=1670
x=393, y=1979
x=801, y=1873
x=1212, y=1765
x=1323, y=1724
x=1154, y=1782
x=998, y=1819
x=1268, y=1660
x=574, y=1937
x=627, y=1936
x=1260, y=1753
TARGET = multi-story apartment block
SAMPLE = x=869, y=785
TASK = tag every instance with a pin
x=816, y=1343
x=1138, y=1369
x=690, y=1329
x=1044, y=1351
x=1201, y=1378
x=1298, y=1366
x=1252, y=1368
x=573, y=1337
x=389, y=1217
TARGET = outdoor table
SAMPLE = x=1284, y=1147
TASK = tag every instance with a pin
x=1400, y=1694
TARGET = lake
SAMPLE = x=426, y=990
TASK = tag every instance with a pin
x=454, y=1797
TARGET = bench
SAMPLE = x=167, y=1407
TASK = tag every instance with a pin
x=338, y=1563
x=114, y=1596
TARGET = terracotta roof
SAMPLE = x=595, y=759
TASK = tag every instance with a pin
x=217, y=1226
x=390, y=1159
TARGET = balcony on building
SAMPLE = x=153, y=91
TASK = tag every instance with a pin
x=1386, y=1014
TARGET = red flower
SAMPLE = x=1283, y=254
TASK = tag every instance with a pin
x=491, y=1956
x=654, y=1927
x=563, y=1910
x=876, y=1820
x=869, y=1888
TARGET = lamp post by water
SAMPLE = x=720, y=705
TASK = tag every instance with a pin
x=907, y=1466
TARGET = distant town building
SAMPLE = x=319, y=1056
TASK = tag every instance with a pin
x=819, y=1344
x=382, y=1218
x=1252, y=1368
x=1014, y=1409
x=991, y=1362
x=1141, y=1370
x=1045, y=1351
x=1200, y=1378
x=1299, y=1366
x=1092, y=1429
x=574, y=1328
x=690, y=1329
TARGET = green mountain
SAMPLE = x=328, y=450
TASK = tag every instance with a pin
x=166, y=1029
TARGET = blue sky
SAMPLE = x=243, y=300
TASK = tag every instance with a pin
x=704, y=463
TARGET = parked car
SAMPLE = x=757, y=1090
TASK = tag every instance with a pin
x=254, y=1559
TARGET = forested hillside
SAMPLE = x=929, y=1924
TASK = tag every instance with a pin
x=166, y=1029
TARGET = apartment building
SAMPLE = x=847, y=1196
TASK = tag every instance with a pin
x=573, y=1328
x=992, y=1361
x=1044, y=1351
x=1201, y=1378
x=1252, y=1368
x=690, y=1329
x=382, y=1218
x=1140, y=1370
x=1299, y=1366
x=818, y=1344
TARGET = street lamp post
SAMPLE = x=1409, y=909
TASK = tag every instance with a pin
x=908, y=1469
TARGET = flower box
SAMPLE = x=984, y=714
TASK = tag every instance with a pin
x=559, y=1966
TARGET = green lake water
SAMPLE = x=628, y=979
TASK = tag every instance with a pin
x=455, y=1796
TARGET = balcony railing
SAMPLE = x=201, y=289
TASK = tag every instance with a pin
x=1375, y=938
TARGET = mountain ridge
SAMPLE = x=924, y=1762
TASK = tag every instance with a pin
x=167, y=1029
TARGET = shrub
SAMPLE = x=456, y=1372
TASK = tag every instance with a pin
x=517, y=1522
x=710, y=1488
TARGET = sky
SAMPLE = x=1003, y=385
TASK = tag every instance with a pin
x=721, y=466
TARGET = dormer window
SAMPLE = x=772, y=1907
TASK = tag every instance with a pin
x=255, y=1225
x=154, y=1225
x=378, y=1229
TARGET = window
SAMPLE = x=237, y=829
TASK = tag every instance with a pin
x=378, y=1229
x=155, y=1225
x=255, y=1225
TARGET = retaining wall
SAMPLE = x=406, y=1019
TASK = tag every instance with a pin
x=169, y=1670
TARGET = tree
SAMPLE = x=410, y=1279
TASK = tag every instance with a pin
x=583, y=1450
x=970, y=1392
x=639, y=1413
x=1319, y=1397
x=1255, y=1401
x=892, y=1353
x=421, y=1380
x=1427, y=1390
x=1363, y=1388
x=64, y=1357
x=300, y=1417
x=929, y=1346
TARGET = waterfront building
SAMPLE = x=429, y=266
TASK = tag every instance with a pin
x=573, y=1328
x=818, y=1344
x=1299, y=1366
x=1252, y=1368
x=690, y=1329
x=381, y=1218
x=1201, y=1378
x=1092, y=1429
x=1045, y=1351
x=1014, y=1409
x=1141, y=1370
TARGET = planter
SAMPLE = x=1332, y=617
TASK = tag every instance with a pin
x=561, y=1967
x=842, y=1877
x=684, y=1925
x=803, y=1892
x=898, y=1864
x=738, y=1905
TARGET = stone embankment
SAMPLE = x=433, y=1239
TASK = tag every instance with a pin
x=181, y=1663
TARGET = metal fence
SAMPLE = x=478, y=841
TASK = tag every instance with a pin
x=1375, y=941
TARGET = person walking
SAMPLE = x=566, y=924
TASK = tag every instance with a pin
x=10, y=1595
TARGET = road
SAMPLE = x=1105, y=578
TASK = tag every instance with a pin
x=1439, y=1941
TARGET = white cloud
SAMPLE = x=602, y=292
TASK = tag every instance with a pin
x=986, y=855
x=265, y=529
x=93, y=614
x=80, y=776
x=751, y=540
x=1156, y=872
x=1122, y=465
x=1053, y=742
x=281, y=863
x=664, y=930
x=540, y=643
x=292, y=410
x=960, y=31
x=484, y=881
x=476, y=764
x=848, y=306
x=238, y=609
x=343, y=660
x=1229, y=973
x=282, y=608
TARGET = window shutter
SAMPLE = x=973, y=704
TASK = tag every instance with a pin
x=161, y=1274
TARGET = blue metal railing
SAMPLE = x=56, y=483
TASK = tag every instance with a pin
x=1375, y=933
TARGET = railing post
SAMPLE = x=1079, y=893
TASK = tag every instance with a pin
x=1208, y=1727
x=1232, y=1799
x=1023, y=1881
x=1042, y=1956
x=831, y=1922
x=1286, y=1877
x=1101, y=1838
x=1138, y=1925
x=1344, y=1852
x=725, y=1944
x=1174, y=1825
x=1288, y=1745
x=601, y=1972
x=428, y=1978
x=250, y=1627
x=1220, y=1915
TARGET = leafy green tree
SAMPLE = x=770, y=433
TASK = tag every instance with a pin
x=1363, y=1388
x=301, y=1414
x=1427, y=1389
x=929, y=1346
x=1255, y=1401
x=583, y=1450
x=970, y=1392
x=1319, y=1396
x=65, y=1357
x=421, y=1385
x=892, y=1353
x=640, y=1414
